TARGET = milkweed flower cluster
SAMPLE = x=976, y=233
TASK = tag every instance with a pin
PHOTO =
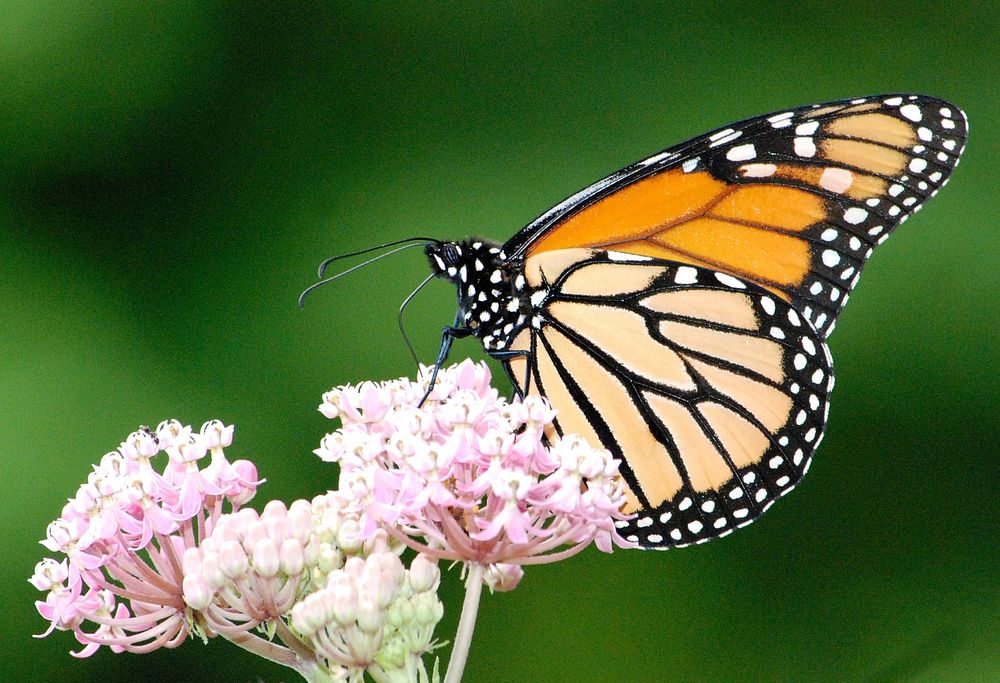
x=250, y=570
x=454, y=472
x=343, y=606
x=466, y=475
x=374, y=616
x=124, y=532
x=151, y=557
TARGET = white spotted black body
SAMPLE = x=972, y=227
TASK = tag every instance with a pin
x=493, y=302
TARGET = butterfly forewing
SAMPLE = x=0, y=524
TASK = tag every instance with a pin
x=793, y=201
x=712, y=390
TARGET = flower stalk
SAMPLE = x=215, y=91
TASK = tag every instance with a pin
x=466, y=624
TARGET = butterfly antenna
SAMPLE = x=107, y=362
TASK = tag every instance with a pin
x=310, y=288
x=399, y=318
x=326, y=262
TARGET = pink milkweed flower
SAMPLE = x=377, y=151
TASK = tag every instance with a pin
x=123, y=536
x=110, y=632
x=191, y=483
x=216, y=434
x=149, y=558
x=468, y=475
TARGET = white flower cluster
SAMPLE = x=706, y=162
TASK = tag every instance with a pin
x=374, y=615
x=304, y=573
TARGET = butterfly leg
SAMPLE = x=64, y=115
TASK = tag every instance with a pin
x=522, y=388
x=448, y=336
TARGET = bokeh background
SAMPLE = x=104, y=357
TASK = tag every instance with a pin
x=171, y=174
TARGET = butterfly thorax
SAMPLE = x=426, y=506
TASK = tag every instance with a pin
x=493, y=303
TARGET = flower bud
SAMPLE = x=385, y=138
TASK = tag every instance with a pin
x=354, y=568
x=292, y=558
x=212, y=572
x=197, y=593
x=349, y=536
x=330, y=559
x=191, y=561
x=392, y=658
x=344, y=603
x=255, y=533
x=327, y=601
x=400, y=613
x=427, y=609
x=277, y=529
x=424, y=574
x=308, y=616
x=266, y=561
x=369, y=616
x=274, y=509
x=378, y=542
x=300, y=520
x=329, y=527
x=232, y=559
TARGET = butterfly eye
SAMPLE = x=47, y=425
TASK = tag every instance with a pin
x=450, y=254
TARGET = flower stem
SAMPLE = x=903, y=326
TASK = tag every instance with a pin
x=466, y=624
x=298, y=657
x=264, y=648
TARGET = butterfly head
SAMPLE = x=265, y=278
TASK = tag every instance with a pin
x=489, y=304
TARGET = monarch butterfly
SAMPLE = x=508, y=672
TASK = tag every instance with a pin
x=676, y=311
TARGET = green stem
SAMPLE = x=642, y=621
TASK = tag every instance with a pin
x=466, y=624
x=310, y=670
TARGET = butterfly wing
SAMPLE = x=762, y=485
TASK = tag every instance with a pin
x=712, y=390
x=794, y=201
x=675, y=312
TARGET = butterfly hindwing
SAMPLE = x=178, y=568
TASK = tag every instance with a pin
x=712, y=390
x=794, y=201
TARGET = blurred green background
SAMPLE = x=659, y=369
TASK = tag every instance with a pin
x=173, y=172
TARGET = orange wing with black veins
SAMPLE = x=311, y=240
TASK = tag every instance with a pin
x=794, y=202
